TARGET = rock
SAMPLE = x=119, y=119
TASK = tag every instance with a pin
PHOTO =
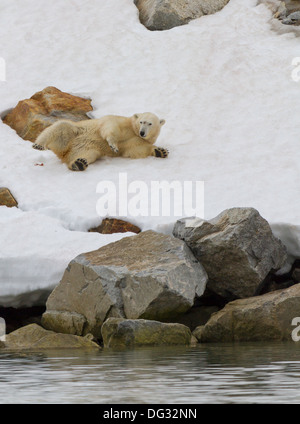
x=258, y=318
x=237, y=249
x=31, y=116
x=118, y=332
x=292, y=19
x=198, y=332
x=34, y=337
x=150, y=276
x=6, y=198
x=166, y=14
x=113, y=225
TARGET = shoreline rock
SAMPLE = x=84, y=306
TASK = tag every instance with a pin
x=259, y=318
x=118, y=333
x=147, y=276
x=236, y=248
x=34, y=337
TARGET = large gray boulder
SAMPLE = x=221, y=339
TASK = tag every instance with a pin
x=118, y=332
x=237, y=249
x=150, y=276
x=166, y=14
x=258, y=318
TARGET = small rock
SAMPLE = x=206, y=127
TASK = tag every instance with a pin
x=292, y=19
x=34, y=337
x=166, y=14
x=6, y=198
x=237, y=249
x=127, y=332
x=113, y=225
x=149, y=276
x=31, y=116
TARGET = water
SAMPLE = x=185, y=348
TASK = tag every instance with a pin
x=210, y=373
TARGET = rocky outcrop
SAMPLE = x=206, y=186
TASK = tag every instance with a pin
x=150, y=276
x=288, y=11
x=114, y=225
x=31, y=116
x=118, y=332
x=6, y=198
x=237, y=249
x=34, y=337
x=166, y=14
x=259, y=318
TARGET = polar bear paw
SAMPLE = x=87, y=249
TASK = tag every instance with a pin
x=38, y=147
x=161, y=153
x=79, y=165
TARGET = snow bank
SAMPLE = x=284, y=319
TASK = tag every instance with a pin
x=223, y=83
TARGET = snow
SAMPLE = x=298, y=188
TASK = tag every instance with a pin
x=223, y=83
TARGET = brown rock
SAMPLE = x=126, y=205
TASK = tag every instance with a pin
x=34, y=337
x=112, y=225
x=6, y=198
x=31, y=116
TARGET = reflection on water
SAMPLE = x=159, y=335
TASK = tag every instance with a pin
x=210, y=373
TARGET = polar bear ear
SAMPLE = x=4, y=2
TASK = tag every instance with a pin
x=162, y=122
x=137, y=115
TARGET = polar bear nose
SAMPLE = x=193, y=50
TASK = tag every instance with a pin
x=142, y=133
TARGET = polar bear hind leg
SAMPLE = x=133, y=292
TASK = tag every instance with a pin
x=81, y=160
x=56, y=137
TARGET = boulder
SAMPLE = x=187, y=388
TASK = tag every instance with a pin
x=6, y=198
x=114, y=225
x=237, y=249
x=31, y=116
x=34, y=337
x=166, y=14
x=259, y=318
x=150, y=276
x=118, y=332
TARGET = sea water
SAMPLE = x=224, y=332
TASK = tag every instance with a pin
x=206, y=373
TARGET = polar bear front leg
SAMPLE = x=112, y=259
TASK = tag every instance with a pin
x=112, y=142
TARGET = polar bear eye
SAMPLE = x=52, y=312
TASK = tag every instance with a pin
x=150, y=123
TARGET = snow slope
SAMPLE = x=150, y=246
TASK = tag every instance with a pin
x=223, y=83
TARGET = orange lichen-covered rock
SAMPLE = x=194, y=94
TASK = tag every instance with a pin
x=31, y=116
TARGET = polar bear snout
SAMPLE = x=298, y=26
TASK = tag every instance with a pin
x=142, y=133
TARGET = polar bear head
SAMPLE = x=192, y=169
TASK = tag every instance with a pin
x=147, y=126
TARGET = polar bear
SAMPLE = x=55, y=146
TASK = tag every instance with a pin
x=80, y=143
